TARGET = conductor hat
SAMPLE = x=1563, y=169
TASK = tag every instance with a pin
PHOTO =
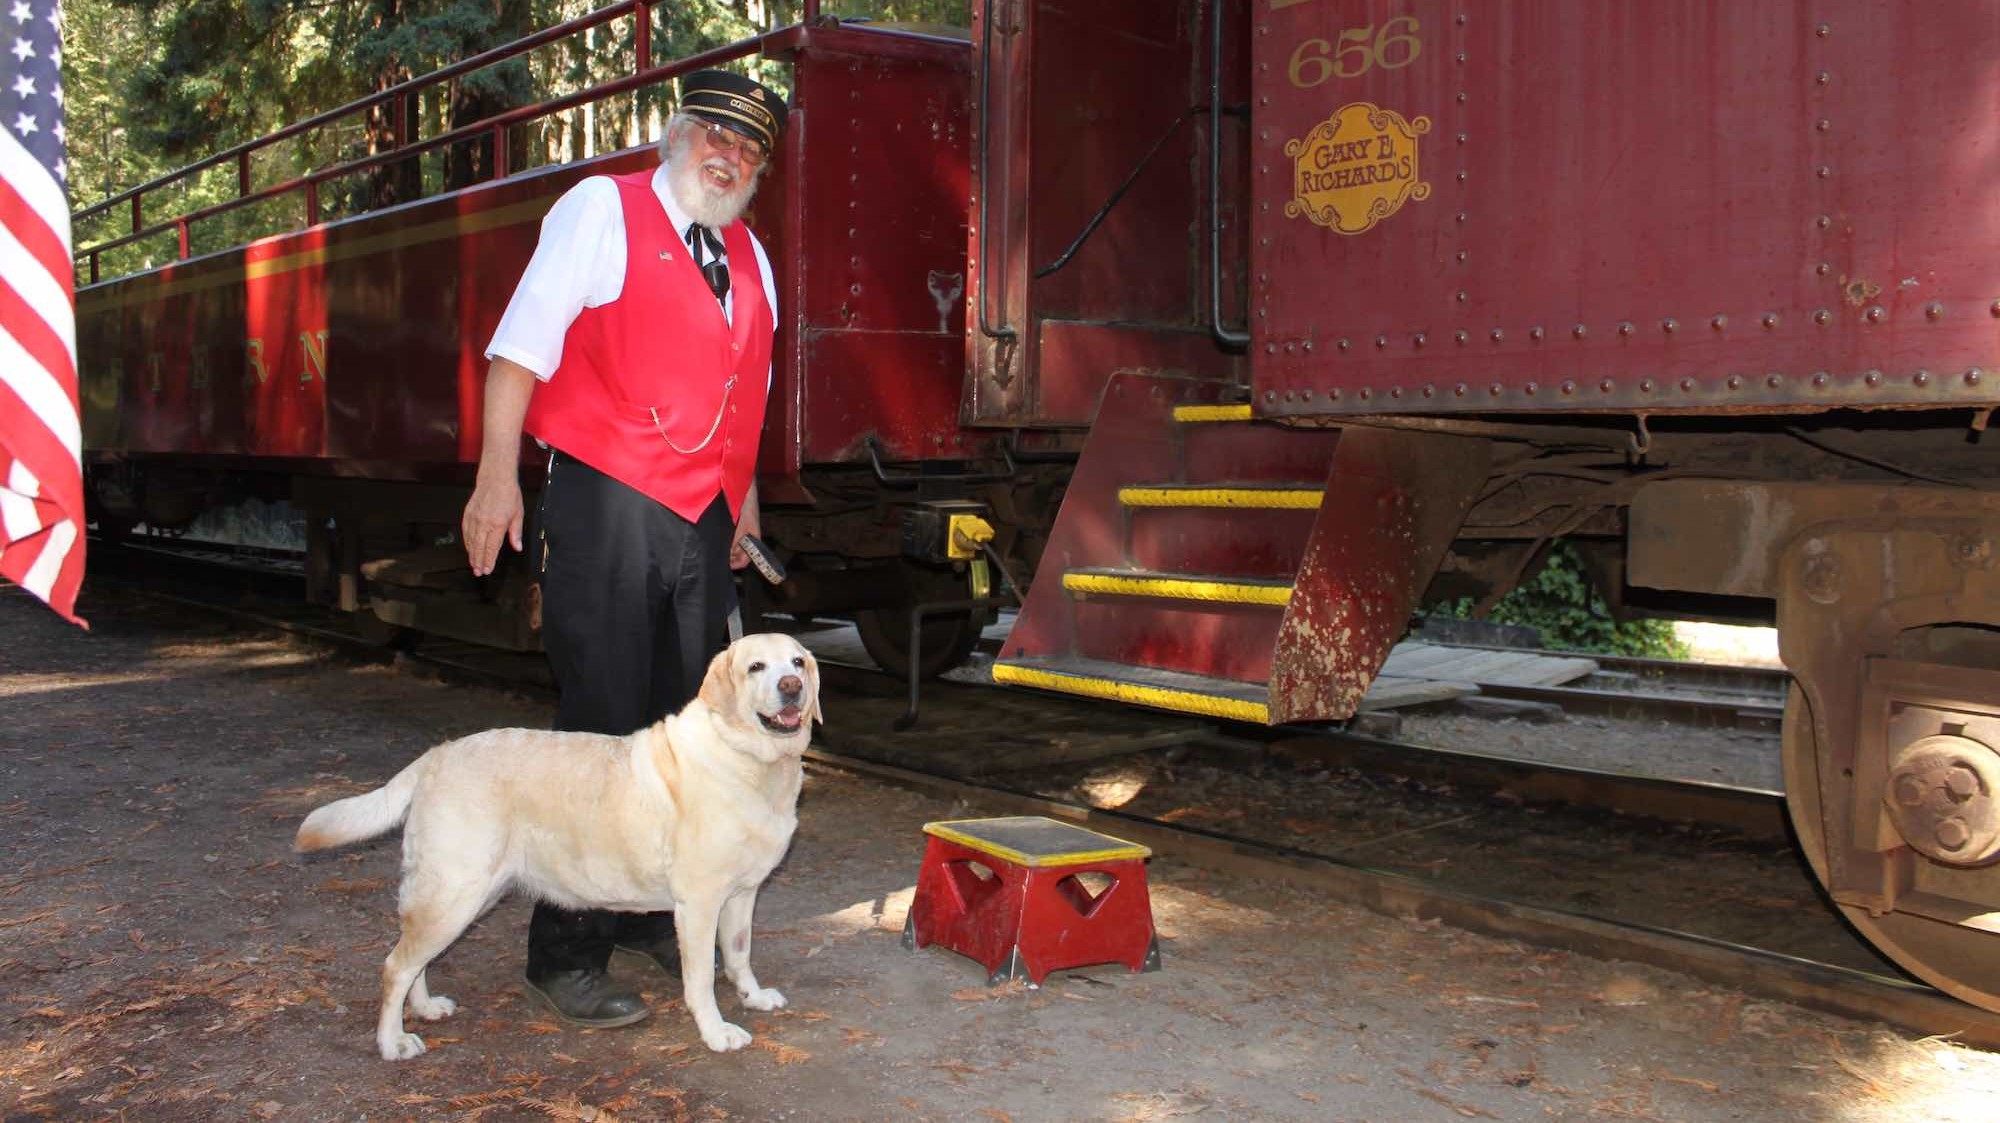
x=735, y=102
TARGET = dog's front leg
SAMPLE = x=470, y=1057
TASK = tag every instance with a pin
x=736, y=914
x=695, y=924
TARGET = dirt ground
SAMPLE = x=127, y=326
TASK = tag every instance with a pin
x=163, y=955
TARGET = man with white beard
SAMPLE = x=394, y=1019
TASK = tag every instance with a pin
x=637, y=349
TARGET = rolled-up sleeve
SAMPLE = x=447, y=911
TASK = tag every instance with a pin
x=579, y=263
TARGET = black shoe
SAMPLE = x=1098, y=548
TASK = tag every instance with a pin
x=665, y=954
x=588, y=998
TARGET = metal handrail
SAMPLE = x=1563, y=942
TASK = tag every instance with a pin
x=406, y=148
x=1004, y=331
x=1229, y=337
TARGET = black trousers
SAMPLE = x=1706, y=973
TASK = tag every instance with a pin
x=635, y=602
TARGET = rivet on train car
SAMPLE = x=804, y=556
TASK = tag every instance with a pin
x=1395, y=391
x=1264, y=206
x=854, y=290
x=1263, y=241
x=1263, y=101
x=1462, y=138
x=1823, y=268
x=1719, y=323
x=1463, y=255
x=1461, y=58
x=1461, y=97
x=1578, y=330
x=1459, y=390
x=1264, y=134
x=1645, y=386
x=1290, y=347
x=1381, y=341
x=1462, y=216
x=1333, y=393
x=1461, y=177
x=1823, y=31
x=1568, y=387
x=1307, y=346
x=1463, y=296
x=1266, y=30
x=1529, y=388
x=1342, y=344
x=1687, y=385
x=1921, y=378
x=1624, y=327
x=1735, y=382
x=1459, y=19
x=1429, y=390
x=1824, y=222
x=1305, y=395
x=1823, y=77
x=1774, y=381
x=1288, y=395
x=1366, y=393
x=1823, y=171
x=1872, y=378
x=1264, y=67
x=1494, y=389
x=1604, y=387
x=1417, y=340
x=1461, y=336
x=1770, y=320
x=1498, y=335
x=1934, y=310
x=1874, y=314
x=1263, y=278
x=1669, y=324
x=1972, y=377
x=1535, y=334
x=1270, y=348
x=1270, y=395
x=1822, y=317
x=1823, y=125
x=1821, y=378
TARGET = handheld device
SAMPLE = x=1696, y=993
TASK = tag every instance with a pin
x=763, y=559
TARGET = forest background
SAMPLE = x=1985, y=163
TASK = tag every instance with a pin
x=154, y=85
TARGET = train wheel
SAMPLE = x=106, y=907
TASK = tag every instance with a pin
x=947, y=639
x=1960, y=960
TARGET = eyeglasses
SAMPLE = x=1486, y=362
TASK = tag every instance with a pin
x=731, y=143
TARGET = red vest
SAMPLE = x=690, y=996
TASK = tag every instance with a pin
x=657, y=389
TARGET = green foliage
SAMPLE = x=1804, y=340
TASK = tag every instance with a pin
x=1560, y=601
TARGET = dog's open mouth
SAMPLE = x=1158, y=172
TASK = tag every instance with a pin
x=786, y=720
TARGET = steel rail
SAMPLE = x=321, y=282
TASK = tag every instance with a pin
x=1836, y=990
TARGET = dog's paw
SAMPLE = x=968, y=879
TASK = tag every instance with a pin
x=402, y=1047
x=438, y=1007
x=726, y=1038
x=764, y=998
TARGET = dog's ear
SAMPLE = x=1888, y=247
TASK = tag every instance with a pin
x=718, y=687
x=812, y=685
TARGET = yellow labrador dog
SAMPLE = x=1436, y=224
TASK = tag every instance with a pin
x=690, y=814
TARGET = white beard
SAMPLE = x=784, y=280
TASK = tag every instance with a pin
x=711, y=203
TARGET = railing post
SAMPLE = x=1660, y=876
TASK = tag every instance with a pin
x=811, y=14
x=181, y=229
x=499, y=152
x=642, y=37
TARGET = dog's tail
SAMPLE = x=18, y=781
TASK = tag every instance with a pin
x=358, y=817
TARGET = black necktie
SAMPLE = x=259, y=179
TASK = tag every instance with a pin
x=716, y=269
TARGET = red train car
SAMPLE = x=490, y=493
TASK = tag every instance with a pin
x=1304, y=313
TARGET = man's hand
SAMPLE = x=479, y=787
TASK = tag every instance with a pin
x=749, y=520
x=494, y=512
x=495, y=509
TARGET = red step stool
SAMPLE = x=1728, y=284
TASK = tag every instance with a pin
x=1032, y=915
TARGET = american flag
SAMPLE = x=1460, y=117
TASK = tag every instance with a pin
x=41, y=439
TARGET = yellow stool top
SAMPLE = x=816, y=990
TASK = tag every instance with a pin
x=1035, y=841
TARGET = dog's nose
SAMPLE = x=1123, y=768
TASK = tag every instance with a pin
x=790, y=685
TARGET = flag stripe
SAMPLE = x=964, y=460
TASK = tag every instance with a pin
x=48, y=245
x=36, y=186
x=46, y=296
x=38, y=338
x=47, y=399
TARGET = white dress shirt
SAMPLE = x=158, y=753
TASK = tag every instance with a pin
x=579, y=263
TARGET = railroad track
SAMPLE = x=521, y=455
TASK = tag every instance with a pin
x=870, y=699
